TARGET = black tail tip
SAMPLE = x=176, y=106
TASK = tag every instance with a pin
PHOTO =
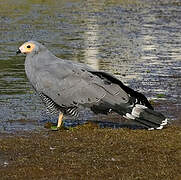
x=164, y=122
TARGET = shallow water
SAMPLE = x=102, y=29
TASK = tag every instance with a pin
x=137, y=41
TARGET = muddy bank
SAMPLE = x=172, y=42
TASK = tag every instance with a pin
x=89, y=152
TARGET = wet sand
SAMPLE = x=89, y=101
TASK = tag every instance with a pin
x=90, y=152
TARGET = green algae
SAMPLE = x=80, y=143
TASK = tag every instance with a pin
x=160, y=95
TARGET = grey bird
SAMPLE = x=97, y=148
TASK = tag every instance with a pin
x=65, y=87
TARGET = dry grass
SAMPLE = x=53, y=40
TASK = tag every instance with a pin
x=88, y=152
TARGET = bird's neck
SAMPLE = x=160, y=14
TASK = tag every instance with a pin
x=37, y=61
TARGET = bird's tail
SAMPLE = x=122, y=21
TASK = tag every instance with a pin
x=146, y=117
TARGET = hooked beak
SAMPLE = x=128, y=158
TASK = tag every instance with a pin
x=18, y=51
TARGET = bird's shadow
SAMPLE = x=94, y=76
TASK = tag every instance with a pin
x=102, y=123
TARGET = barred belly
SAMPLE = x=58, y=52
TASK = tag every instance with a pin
x=54, y=108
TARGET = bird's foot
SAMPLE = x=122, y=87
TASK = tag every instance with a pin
x=57, y=128
x=54, y=127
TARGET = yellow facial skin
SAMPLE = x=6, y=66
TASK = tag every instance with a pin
x=27, y=48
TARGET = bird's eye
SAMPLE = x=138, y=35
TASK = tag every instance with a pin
x=28, y=46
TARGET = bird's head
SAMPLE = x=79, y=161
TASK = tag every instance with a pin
x=30, y=47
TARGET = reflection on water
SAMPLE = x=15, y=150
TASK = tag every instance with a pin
x=137, y=41
x=91, y=39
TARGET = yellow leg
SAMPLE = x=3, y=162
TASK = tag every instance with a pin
x=60, y=120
